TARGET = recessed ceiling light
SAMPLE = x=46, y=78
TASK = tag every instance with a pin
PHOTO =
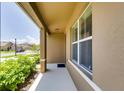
x=57, y=29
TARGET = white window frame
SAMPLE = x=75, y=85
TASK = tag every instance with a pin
x=80, y=40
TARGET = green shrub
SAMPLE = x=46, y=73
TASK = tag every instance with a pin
x=37, y=59
x=26, y=60
x=14, y=72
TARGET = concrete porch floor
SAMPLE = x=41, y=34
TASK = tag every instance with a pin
x=56, y=79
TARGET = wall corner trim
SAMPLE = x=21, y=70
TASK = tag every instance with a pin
x=90, y=82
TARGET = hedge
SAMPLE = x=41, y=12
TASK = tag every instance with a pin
x=14, y=72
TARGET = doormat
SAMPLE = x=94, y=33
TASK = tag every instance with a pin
x=60, y=65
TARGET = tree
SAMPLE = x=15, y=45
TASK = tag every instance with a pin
x=34, y=47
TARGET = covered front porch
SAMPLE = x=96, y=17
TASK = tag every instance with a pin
x=81, y=47
x=55, y=21
x=52, y=19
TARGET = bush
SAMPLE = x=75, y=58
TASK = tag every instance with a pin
x=36, y=59
x=26, y=60
x=14, y=72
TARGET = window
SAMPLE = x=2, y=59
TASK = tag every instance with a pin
x=74, y=53
x=74, y=31
x=86, y=54
x=85, y=24
x=74, y=40
x=85, y=43
x=82, y=28
x=82, y=41
x=89, y=25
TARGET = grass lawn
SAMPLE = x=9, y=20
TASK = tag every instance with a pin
x=8, y=56
x=6, y=52
x=31, y=55
x=11, y=53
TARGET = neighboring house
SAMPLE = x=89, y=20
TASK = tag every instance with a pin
x=25, y=46
x=5, y=46
x=22, y=47
x=18, y=48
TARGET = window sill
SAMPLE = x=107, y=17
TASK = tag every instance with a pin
x=82, y=69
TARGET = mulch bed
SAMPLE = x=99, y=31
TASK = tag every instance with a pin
x=28, y=82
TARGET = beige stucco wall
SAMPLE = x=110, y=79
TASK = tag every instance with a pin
x=56, y=48
x=79, y=81
x=108, y=45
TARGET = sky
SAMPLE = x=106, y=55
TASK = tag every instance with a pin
x=16, y=24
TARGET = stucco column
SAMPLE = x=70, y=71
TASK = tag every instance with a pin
x=42, y=51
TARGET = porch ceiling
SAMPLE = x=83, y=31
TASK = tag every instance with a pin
x=53, y=16
x=56, y=14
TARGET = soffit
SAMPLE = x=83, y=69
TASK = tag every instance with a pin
x=56, y=14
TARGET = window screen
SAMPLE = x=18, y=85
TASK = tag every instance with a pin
x=85, y=54
x=74, y=53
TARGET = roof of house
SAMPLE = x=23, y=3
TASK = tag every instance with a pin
x=4, y=43
x=25, y=44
